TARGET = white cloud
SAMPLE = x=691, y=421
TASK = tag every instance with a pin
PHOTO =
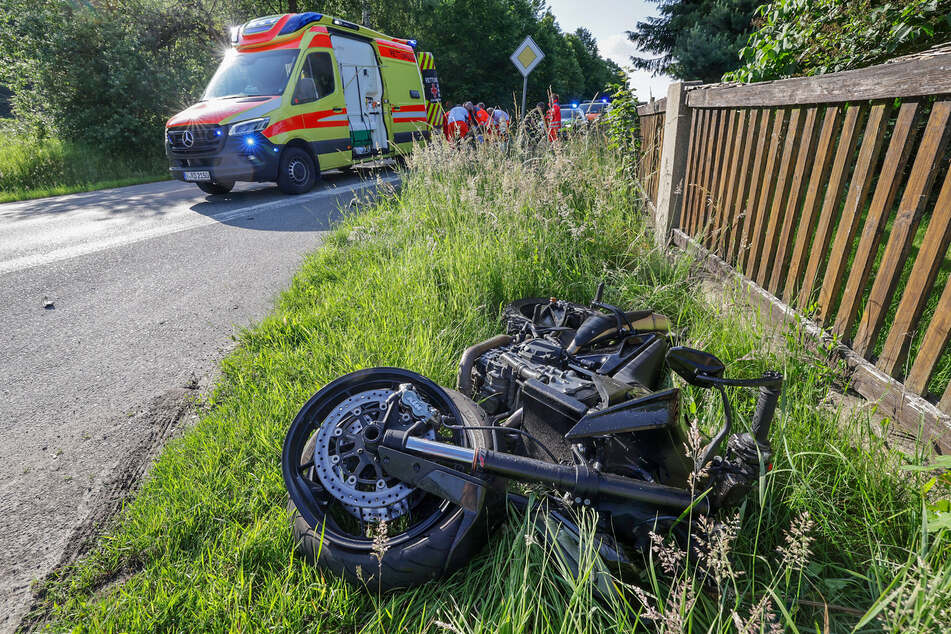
x=618, y=48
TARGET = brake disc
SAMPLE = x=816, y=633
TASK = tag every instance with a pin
x=350, y=473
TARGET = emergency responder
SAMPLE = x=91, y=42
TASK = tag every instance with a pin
x=500, y=121
x=481, y=115
x=456, y=123
x=554, y=118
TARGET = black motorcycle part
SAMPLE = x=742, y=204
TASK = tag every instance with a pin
x=440, y=536
x=646, y=366
x=653, y=411
x=548, y=415
x=766, y=407
x=467, y=491
x=694, y=365
x=584, y=483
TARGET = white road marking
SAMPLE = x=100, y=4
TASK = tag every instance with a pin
x=194, y=221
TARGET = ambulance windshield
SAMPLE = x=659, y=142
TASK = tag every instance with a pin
x=251, y=74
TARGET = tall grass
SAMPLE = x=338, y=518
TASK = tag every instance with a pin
x=413, y=280
x=33, y=167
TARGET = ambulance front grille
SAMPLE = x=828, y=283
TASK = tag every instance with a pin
x=196, y=139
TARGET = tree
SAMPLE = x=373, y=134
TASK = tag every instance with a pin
x=111, y=73
x=795, y=37
x=598, y=73
x=694, y=39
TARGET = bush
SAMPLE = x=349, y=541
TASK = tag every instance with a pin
x=107, y=75
x=811, y=37
x=31, y=165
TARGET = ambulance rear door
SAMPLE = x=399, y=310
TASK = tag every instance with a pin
x=363, y=92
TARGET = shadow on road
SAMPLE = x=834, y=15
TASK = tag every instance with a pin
x=318, y=210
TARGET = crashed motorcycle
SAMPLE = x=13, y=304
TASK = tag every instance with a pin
x=394, y=480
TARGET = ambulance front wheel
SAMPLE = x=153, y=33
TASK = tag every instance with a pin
x=297, y=173
x=216, y=187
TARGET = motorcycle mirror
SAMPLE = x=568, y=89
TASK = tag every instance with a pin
x=692, y=365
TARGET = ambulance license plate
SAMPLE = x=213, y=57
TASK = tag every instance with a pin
x=198, y=176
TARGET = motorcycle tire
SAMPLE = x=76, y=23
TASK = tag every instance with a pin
x=519, y=313
x=415, y=561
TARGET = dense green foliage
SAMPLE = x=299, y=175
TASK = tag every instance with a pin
x=109, y=74
x=33, y=167
x=811, y=37
x=694, y=39
x=412, y=281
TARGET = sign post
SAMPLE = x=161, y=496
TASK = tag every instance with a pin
x=526, y=57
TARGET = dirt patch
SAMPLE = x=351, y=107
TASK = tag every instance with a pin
x=162, y=417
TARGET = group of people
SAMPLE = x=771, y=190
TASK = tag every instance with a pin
x=468, y=119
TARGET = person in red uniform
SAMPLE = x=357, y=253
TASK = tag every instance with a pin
x=554, y=118
x=455, y=123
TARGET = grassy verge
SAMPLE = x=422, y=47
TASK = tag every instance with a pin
x=411, y=282
x=36, y=168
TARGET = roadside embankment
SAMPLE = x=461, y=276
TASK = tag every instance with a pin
x=411, y=282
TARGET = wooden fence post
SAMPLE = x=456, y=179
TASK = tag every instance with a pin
x=673, y=162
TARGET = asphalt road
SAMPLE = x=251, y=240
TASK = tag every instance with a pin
x=116, y=306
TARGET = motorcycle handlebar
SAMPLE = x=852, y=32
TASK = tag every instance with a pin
x=766, y=408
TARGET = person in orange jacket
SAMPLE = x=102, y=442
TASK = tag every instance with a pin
x=482, y=115
x=554, y=118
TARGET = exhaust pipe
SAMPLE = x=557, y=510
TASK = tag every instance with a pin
x=464, y=379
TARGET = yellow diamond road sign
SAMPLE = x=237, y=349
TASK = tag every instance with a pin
x=527, y=56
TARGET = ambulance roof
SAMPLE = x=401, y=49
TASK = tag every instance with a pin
x=274, y=28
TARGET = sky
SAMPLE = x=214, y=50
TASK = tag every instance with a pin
x=608, y=20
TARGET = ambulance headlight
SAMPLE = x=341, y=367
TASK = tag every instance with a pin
x=248, y=127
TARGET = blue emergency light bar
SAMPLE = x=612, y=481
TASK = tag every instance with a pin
x=260, y=25
x=299, y=21
x=412, y=43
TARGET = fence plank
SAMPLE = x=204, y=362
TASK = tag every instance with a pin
x=709, y=140
x=741, y=217
x=691, y=170
x=697, y=182
x=793, y=133
x=766, y=193
x=935, y=339
x=756, y=177
x=719, y=166
x=934, y=246
x=716, y=129
x=730, y=187
x=913, y=201
x=888, y=181
x=914, y=76
x=803, y=159
x=830, y=205
x=852, y=211
x=810, y=205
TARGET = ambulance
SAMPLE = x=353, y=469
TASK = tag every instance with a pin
x=302, y=93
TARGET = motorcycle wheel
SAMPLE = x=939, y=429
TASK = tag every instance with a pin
x=382, y=556
x=520, y=312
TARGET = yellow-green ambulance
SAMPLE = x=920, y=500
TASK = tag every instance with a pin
x=298, y=94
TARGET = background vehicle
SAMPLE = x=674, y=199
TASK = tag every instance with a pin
x=394, y=480
x=572, y=117
x=594, y=109
x=300, y=93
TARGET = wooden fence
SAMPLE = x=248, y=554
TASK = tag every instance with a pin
x=832, y=196
x=652, y=140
